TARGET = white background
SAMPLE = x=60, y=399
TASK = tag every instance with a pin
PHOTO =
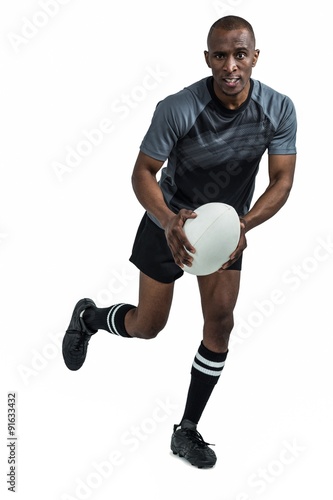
x=66, y=236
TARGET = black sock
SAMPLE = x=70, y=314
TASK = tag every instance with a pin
x=111, y=319
x=206, y=370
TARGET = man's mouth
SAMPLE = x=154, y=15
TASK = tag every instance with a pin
x=231, y=81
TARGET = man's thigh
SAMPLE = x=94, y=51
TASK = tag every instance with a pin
x=151, y=315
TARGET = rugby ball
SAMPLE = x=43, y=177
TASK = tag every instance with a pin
x=214, y=233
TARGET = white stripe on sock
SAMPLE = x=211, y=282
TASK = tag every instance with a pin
x=206, y=371
x=212, y=364
x=112, y=313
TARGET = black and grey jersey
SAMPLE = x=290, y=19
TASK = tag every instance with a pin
x=213, y=153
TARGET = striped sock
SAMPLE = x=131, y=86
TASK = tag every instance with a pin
x=111, y=319
x=206, y=370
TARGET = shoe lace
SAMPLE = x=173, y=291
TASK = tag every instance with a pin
x=78, y=344
x=196, y=438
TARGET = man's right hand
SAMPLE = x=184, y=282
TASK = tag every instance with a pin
x=177, y=240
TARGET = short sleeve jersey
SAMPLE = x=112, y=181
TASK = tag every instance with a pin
x=213, y=153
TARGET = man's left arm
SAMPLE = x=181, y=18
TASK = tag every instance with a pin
x=281, y=169
x=281, y=175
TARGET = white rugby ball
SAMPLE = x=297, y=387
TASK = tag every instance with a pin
x=214, y=233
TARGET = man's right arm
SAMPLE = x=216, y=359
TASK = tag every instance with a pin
x=147, y=190
x=149, y=194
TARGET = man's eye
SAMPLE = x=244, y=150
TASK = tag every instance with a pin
x=241, y=55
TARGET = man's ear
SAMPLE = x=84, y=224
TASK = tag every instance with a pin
x=206, y=53
x=255, y=57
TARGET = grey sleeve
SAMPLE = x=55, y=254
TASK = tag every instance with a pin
x=284, y=140
x=171, y=120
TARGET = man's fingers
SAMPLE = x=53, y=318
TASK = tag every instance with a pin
x=181, y=253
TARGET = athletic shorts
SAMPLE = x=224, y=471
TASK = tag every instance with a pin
x=152, y=255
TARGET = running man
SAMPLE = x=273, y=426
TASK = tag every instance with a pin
x=208, y=139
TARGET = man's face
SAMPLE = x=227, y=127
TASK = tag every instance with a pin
x=231, y=56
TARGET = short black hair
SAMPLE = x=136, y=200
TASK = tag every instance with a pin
x=230, y=23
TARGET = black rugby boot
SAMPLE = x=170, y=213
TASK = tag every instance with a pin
x=76, y=339
x=188, y=443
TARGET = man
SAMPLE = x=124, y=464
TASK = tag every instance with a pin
x=213, y=135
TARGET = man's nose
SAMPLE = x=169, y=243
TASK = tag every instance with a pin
x=230, y=64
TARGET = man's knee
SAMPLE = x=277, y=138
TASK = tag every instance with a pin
x=149, y=329
x=222, y=322
x=217, y=331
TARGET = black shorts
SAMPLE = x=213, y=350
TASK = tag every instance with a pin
x=152, y=255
